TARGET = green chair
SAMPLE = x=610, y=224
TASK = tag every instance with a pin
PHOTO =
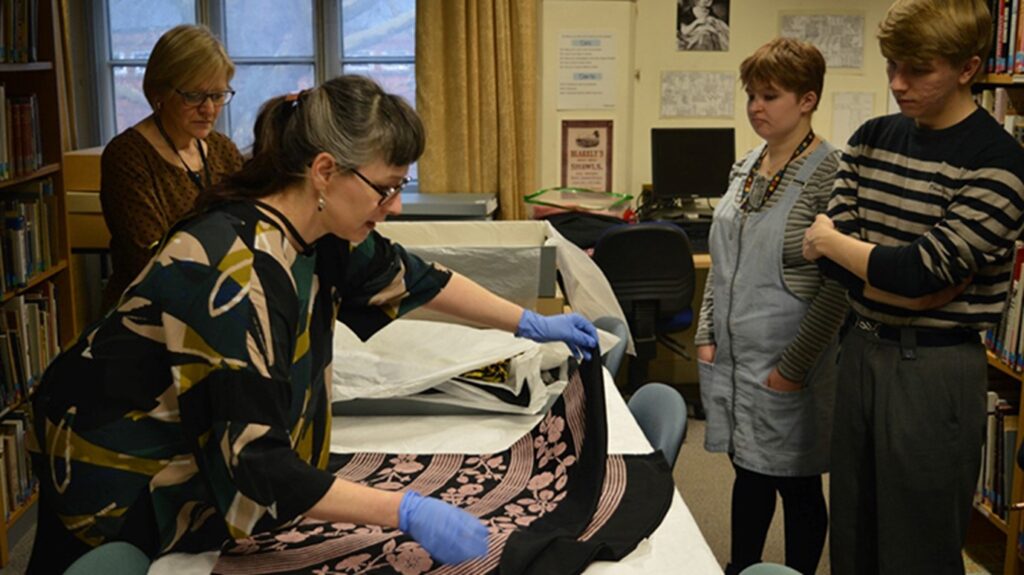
x=114, y=557
x=769, y=569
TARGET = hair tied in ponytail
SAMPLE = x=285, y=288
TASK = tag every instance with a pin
x=295, y=99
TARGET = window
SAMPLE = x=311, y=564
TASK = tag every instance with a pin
x=276, y=47
x=379, y=40
x=133, y=28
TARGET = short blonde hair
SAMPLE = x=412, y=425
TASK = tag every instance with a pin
x=183, y=54
x=787, y=63
x=917, y=31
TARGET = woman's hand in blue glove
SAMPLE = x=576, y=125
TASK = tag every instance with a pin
x=575, y=330
x=448, y=533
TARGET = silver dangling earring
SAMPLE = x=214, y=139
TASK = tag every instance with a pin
x=320, y=203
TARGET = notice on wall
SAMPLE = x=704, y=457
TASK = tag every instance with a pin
x=849, y=111
x=840, y=37
x=587, y=154
x=586, y=70
x=698, y=94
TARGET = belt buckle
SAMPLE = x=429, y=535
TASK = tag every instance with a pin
x=868, y=326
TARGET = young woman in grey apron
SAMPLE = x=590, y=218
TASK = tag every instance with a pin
x=766, y=336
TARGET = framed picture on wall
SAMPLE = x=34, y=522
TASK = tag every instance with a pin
x=703, y=25
x=587, y=154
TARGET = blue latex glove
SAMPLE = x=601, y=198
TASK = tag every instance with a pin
x=575, y=330
x=448, y=533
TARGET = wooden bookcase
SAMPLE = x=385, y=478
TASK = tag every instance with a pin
x=45, y=79
x=1013, y=560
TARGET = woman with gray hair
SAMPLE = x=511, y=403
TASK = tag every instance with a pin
x=152, y=172
x=199, y=409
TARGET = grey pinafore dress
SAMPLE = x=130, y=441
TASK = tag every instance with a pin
x=777, y=433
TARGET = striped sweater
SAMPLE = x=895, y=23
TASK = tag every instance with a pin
x=942, y=206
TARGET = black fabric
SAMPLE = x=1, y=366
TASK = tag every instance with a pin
x=901, y=270
x=582, y=228
x=54, y=548
x=554, y=502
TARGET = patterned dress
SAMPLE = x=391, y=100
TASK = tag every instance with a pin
x=199, y=408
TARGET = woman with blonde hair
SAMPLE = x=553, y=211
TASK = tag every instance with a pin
x=767, y=330
x=152, y=172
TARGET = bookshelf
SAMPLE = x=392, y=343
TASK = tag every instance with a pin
x=1013, y=562
x=46, y=283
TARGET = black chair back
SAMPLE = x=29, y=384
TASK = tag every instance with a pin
x=650, y=268
x=650, y=261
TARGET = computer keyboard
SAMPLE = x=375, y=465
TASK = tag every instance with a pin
x=696, y=228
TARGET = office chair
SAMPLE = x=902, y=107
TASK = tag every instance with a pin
x=113, y=557
x=661, y=412
x=650, y=268
x=612, y=358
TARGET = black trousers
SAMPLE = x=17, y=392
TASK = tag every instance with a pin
x=906, y=448
x=753, y=505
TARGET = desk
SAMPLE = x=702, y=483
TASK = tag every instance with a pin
x=675, y=543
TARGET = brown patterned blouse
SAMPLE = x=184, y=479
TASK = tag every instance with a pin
x=143, y=195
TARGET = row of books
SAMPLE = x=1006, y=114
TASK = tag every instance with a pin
x=998, y=455
x=1006, y=340
x=17, y=482
x=19, y=31
x=1007, y=55
x=26, y=244
x=21, y=144
x=29, y=340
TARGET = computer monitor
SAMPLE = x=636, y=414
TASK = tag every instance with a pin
x=690, y=163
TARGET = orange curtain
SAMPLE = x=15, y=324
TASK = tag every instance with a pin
x=476, y=84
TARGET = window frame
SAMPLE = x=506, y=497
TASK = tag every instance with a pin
x=328, y=54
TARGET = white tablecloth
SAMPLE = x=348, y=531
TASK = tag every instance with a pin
x=676, y=546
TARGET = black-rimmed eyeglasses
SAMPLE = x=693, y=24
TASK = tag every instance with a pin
x=218, y=98
x=387, y=193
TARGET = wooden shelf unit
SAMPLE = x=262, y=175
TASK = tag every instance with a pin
x=45, y=79
x=1013, y=562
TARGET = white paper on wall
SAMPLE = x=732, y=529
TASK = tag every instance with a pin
x=849, y=111
x=698, y=94
x=586, y=69
x=840, y=37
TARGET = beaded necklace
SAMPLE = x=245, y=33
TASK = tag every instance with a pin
x=747, y=200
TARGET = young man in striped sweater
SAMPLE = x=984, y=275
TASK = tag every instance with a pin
x=920, y=228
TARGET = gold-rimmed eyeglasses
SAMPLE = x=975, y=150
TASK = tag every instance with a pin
x=218, y=98
x=387, y=193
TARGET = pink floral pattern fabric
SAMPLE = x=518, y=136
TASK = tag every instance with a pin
x=515, y=493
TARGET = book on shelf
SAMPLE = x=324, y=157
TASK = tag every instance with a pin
x=22, y=149
x=1006, y=340
x=29, y=341
x=998, y=455
x=19, y=31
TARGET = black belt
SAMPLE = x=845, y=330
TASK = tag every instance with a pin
x=910, y=338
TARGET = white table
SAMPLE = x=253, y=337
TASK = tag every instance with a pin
x=677, y=542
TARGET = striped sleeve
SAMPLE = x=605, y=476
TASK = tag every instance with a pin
x=941, y=207
x=827, y=299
